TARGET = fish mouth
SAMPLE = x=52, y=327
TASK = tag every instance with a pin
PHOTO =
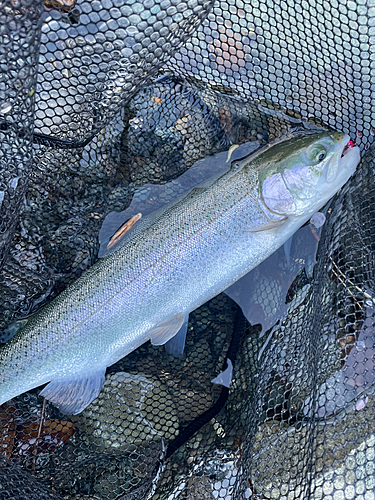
x=349, y=158
x=348, y=146
x=344, y=162
x=349, y=152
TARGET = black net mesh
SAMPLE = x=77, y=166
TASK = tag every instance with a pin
x=112, y=102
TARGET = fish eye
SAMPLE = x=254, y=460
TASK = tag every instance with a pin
x=321, y=156
x=316, y=153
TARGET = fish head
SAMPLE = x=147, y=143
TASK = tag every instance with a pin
x=301, y=174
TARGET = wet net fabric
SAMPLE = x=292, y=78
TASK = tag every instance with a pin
x=100, y=102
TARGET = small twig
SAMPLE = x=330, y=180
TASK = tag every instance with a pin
x=39, y=432
x=343, y=282
x=366, y=295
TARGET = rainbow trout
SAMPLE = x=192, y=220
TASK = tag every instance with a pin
x=170, y=263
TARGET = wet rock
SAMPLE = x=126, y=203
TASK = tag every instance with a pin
x=130, y=410
x=342, y=446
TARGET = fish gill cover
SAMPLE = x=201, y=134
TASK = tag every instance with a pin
x=109, y=109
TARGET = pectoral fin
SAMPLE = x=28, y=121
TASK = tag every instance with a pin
x=268, y=225
x=288, y=249
x=167, y=329
x=71, y=396
x=176, y=345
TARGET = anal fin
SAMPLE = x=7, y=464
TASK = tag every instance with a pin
x=176, y=345
x=72, y=395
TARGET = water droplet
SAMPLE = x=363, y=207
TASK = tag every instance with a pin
x=318, y=219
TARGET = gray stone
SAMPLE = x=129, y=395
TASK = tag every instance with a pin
x=130, y=410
